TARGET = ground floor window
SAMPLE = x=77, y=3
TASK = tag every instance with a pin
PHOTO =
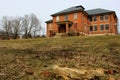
x=91, y=28
x=101, y=27
x=95, y=27
x=104, y=27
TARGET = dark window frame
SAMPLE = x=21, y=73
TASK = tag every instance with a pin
x=102, y=27
x=65, y=17
x=90, y=19
x=106, y=26
x=101, y=17
x=91, y=28
x=95, y=27
x=106, y=17
x=94, y=18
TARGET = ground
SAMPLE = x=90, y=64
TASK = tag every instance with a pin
x=34, y=59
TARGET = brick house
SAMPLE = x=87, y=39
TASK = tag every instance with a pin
x=85, y=22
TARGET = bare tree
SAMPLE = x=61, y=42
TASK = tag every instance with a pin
x=35, y=24
x=30, y=25
x=25, y=25
x=15, y=27
x=6, y=23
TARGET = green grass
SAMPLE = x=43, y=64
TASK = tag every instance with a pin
x=18, y=57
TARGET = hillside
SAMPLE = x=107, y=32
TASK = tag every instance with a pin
x=34, y=59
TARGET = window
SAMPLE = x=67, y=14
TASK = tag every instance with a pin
x=95, y=28
x=50, y=26
x=57, y=18
x=91, y=28
x=101, y=17
x=106, y=26
x=90, y=19
x=66, y=17
x=95, y=18
x=75, y=16
x=106, y=17
x=101, y=27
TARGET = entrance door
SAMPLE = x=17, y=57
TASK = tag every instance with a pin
x=62, y=28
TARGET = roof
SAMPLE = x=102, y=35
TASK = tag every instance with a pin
x=49, y=21
x=98, y=11
x=81, y=8
x=71, y=9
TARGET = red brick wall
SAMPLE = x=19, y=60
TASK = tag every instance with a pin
x=111, y=21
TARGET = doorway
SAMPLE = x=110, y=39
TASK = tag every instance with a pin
x=62, y=28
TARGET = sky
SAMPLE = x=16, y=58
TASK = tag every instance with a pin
x=44, y=8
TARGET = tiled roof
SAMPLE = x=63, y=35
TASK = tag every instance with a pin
x=98, y=11
x=71, y=9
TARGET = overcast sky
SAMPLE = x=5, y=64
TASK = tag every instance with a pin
x=44, y=8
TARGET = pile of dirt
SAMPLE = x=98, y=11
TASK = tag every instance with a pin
x=81, y=74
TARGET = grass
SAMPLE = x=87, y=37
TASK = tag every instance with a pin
x=33, y=59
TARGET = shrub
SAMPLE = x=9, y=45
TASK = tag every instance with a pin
x=72, y=33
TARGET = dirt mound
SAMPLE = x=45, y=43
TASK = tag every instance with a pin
x=80, y=74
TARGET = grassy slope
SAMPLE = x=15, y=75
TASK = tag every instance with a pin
x=20, y=58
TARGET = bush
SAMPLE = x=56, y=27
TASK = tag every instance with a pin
x=73, y=33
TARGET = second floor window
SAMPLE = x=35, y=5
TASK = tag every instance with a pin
x=50, y=26
x=75, y=16
x=95, y=18
x=106, y=17
x=57, y=18
x=102, y=17
x=90, y=19
x=66, y=17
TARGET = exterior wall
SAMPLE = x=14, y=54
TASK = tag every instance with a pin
x=77, y=23
x=82, y=24
x=50, y=29
x=111, y=21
